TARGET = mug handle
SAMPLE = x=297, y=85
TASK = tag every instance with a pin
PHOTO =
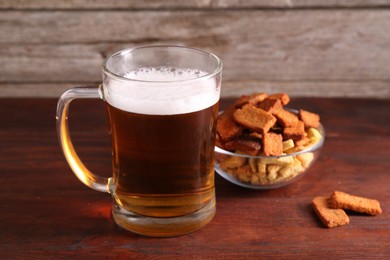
x=83, y=174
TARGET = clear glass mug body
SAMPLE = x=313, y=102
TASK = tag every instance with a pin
x=163, y=136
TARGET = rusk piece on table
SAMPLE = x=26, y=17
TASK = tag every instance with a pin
x=330, y=217
x=342, y=200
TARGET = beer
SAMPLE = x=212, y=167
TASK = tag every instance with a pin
x=163, y=145
x=162, y=103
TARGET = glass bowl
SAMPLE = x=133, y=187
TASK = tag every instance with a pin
x=267, y=172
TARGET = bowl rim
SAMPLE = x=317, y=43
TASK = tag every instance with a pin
x=309, y=149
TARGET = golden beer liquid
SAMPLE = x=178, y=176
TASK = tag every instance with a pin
x=163, y=164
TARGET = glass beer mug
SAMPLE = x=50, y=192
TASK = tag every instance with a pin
x=162, y=103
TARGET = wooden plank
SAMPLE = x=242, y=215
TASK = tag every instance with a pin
x=180, y=4
x=50, y=63
x=299, y=3
x=104, y=4
x=45, y=90
x=315, y=26
x=351, y=89
x=379, y=90
x=348, y=45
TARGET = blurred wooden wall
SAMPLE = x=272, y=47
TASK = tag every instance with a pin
x=302, y=47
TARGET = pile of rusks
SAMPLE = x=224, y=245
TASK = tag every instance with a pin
x=259, y=125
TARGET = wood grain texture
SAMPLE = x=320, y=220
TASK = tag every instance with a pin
x=324, y=46
x=47, y=213
x=351, y=89
x=299, y=3
x=334, y=46
x=180, y=4
x=104, y=4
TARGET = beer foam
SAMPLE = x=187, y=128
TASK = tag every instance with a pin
x=162, y=91
x=164, y=74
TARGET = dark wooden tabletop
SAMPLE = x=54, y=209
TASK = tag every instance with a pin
x=45, y=212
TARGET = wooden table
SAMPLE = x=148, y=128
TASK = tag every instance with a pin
x=47, y=213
